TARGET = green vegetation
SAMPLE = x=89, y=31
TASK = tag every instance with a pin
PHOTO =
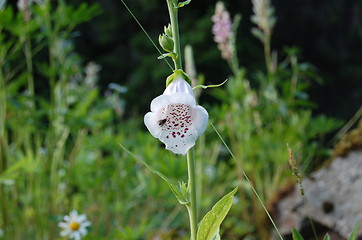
x=60, y=136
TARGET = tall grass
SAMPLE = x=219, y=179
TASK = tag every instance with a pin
x=59, y=138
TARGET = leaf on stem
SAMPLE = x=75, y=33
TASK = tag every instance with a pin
x=210, y=86
x=210, y=224
x=182, y=4
x=171, y=55
x=216, y=235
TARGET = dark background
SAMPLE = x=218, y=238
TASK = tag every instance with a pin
x=328, y=33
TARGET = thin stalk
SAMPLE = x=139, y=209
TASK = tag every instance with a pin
x=192, y=206
x=248, y=180
x=2, y=102
x=29, y=67
x=3, y=199
x=3, y=163
x=267, y=52
x=145, y=32
x=173, y=11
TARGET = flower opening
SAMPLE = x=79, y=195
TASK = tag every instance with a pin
x=175, y=119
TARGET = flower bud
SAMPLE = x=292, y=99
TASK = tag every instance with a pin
x=166, y=43
x=168, y=30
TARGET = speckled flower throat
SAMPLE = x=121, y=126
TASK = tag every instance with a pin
x=175, y=122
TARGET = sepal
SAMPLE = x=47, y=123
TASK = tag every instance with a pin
x=178, y=73
x=171, y=55
x=168, y=30
x=210, y=86
x=182, y=4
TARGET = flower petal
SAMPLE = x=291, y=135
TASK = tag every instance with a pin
x=173, y=125
x=63, y=224
x=175, y=119
x=159, y=102
x=201, y=118
x=151, y=121
x=184, y=98
x=164, y=100
x=81, y=218
x=178, y=144
x=178, y=85
x=65, y=233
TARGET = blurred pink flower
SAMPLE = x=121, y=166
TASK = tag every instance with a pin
x=222, y=30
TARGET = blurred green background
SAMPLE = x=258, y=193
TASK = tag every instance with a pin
x=328, y=34
x=77, y=78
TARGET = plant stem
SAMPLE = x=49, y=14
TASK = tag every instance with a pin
x=192, y=206
x=29, y=67
x=191, y=166
x=173, y=11
x=2, y=102
x=267, y=52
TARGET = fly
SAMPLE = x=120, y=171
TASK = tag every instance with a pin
x=161, y=122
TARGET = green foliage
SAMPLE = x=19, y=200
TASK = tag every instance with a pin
x=259, y=114
x=326, y=237
x=209, y=226
x=60, y=135
x=353, y=235
x=296, y=235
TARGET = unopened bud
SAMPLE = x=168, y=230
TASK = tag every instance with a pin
x=168, y=30
x=166, y=43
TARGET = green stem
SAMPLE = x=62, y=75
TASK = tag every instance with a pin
x=267, y=52
x=2, y=102
x=192, y=206
x=29, y=67
x=173, y=11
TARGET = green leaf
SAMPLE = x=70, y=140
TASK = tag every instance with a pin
x=296, y=235
x=210, y=86
x=326, y=237
x=182, y=4
x=210, y=224
x=171, y=55
x=216, y=235
x=180, y=193
x=353, y=235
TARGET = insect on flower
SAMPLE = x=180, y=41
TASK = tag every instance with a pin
x=175, y=119
x=162, y=122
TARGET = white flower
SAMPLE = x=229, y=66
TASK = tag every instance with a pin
x=175, y=119
x=74, y=225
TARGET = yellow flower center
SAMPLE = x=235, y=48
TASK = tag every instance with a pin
x=74, y=226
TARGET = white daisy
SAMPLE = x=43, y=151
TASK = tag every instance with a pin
x=74, y=225
x=175, y=119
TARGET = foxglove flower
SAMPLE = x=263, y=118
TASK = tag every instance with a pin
x=74, y=225
x=175, y=119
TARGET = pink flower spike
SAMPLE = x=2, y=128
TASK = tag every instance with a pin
x=175, y=119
